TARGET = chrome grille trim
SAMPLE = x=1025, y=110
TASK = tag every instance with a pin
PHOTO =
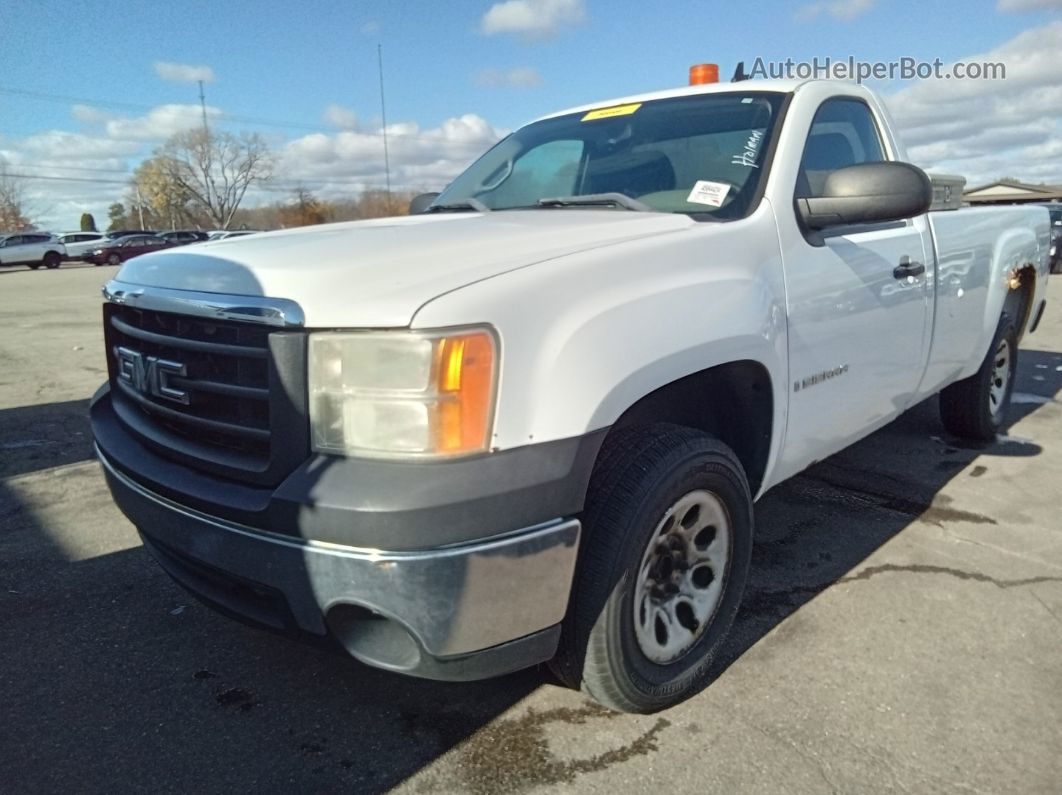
x=279, y=312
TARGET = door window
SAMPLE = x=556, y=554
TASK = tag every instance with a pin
x=842, y=134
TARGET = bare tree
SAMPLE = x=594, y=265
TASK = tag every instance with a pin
x=13, y=205
x=214, y=169
x=304, y=209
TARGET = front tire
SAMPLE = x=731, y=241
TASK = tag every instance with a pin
x=667, y=539
x=114, y=259
x=976, y=407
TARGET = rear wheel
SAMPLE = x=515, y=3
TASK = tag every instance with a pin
x=664, y=559
x=52, y=260
x=976, y=407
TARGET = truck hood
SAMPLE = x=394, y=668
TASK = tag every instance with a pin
x=378, y=273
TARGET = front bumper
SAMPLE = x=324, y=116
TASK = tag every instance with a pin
x=466, y=611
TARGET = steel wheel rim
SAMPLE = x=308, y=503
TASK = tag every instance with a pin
x=997, y=387
x=682, y=576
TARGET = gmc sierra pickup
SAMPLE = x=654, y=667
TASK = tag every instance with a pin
x=529, y=422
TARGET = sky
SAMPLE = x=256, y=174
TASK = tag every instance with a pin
x=88, y=89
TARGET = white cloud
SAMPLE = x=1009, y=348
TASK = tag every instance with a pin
x=348, y=161
x=843, y=10
x=519, y=77
x=89, y=114
x=183, y=73
x=65, y=174
x=985, y=129
x=370, y=27
x=159, y=123
x=338, y=116
x=1027, y=5
x=75, y=172
x=534, y=19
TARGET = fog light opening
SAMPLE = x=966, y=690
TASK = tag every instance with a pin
x=373, y=638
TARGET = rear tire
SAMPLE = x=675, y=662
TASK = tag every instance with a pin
x=52, y=260
x=976, y=407
x=652, y=603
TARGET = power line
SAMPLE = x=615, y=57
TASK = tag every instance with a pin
x=282, y=181
x=281, y=184
x=224, y=117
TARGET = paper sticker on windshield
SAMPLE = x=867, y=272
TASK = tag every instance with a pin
x=710, y=193
x=608, y=113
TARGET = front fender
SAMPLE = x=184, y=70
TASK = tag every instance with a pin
x=583, y=337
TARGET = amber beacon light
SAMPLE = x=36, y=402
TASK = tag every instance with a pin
x=703, y=73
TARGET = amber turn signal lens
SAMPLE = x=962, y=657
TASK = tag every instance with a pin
x=466, y=391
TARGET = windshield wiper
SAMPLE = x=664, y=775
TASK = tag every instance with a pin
x=599, y=199
x=464, y=204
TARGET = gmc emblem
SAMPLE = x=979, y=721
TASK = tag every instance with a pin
x=150, y=375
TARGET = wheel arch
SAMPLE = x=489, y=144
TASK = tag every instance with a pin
x=1019, y=301
x=733, y=401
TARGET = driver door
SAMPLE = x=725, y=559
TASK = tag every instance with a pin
x=857, y=325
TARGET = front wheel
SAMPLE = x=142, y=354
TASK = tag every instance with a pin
x=114, y=259
x=664, y=559
x=976, y=407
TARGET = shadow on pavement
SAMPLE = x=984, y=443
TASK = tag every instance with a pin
x=113, y=678
x=819, y=526
x=43, y=436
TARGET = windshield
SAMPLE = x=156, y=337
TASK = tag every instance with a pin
x=702, y=155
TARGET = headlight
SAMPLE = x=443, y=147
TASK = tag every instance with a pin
x=401, y=393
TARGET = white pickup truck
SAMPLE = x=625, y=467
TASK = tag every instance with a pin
x=529, y=423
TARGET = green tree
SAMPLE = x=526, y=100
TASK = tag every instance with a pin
x=163, y=198
x=88, y=223
x=117, y=216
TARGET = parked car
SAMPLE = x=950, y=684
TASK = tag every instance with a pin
x=115, y=234
x=182, y=237
x=1054, y=209
x=33, y=249
x=534, y=430
x=77, y=244
x=115, y=252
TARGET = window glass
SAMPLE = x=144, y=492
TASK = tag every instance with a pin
x=656, y=151
x=842, y=134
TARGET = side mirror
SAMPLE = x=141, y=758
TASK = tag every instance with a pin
x=421, y=203
x=868, y=193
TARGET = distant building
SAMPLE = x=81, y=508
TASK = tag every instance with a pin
x=1011, y=192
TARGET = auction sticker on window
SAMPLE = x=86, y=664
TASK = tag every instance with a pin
x=710, y=193
x=608, y=113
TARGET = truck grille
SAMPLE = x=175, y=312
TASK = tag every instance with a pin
x=222, y=396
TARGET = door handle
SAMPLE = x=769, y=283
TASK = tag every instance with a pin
x=907, y=268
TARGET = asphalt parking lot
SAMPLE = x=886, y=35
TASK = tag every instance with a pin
x=903, y=630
